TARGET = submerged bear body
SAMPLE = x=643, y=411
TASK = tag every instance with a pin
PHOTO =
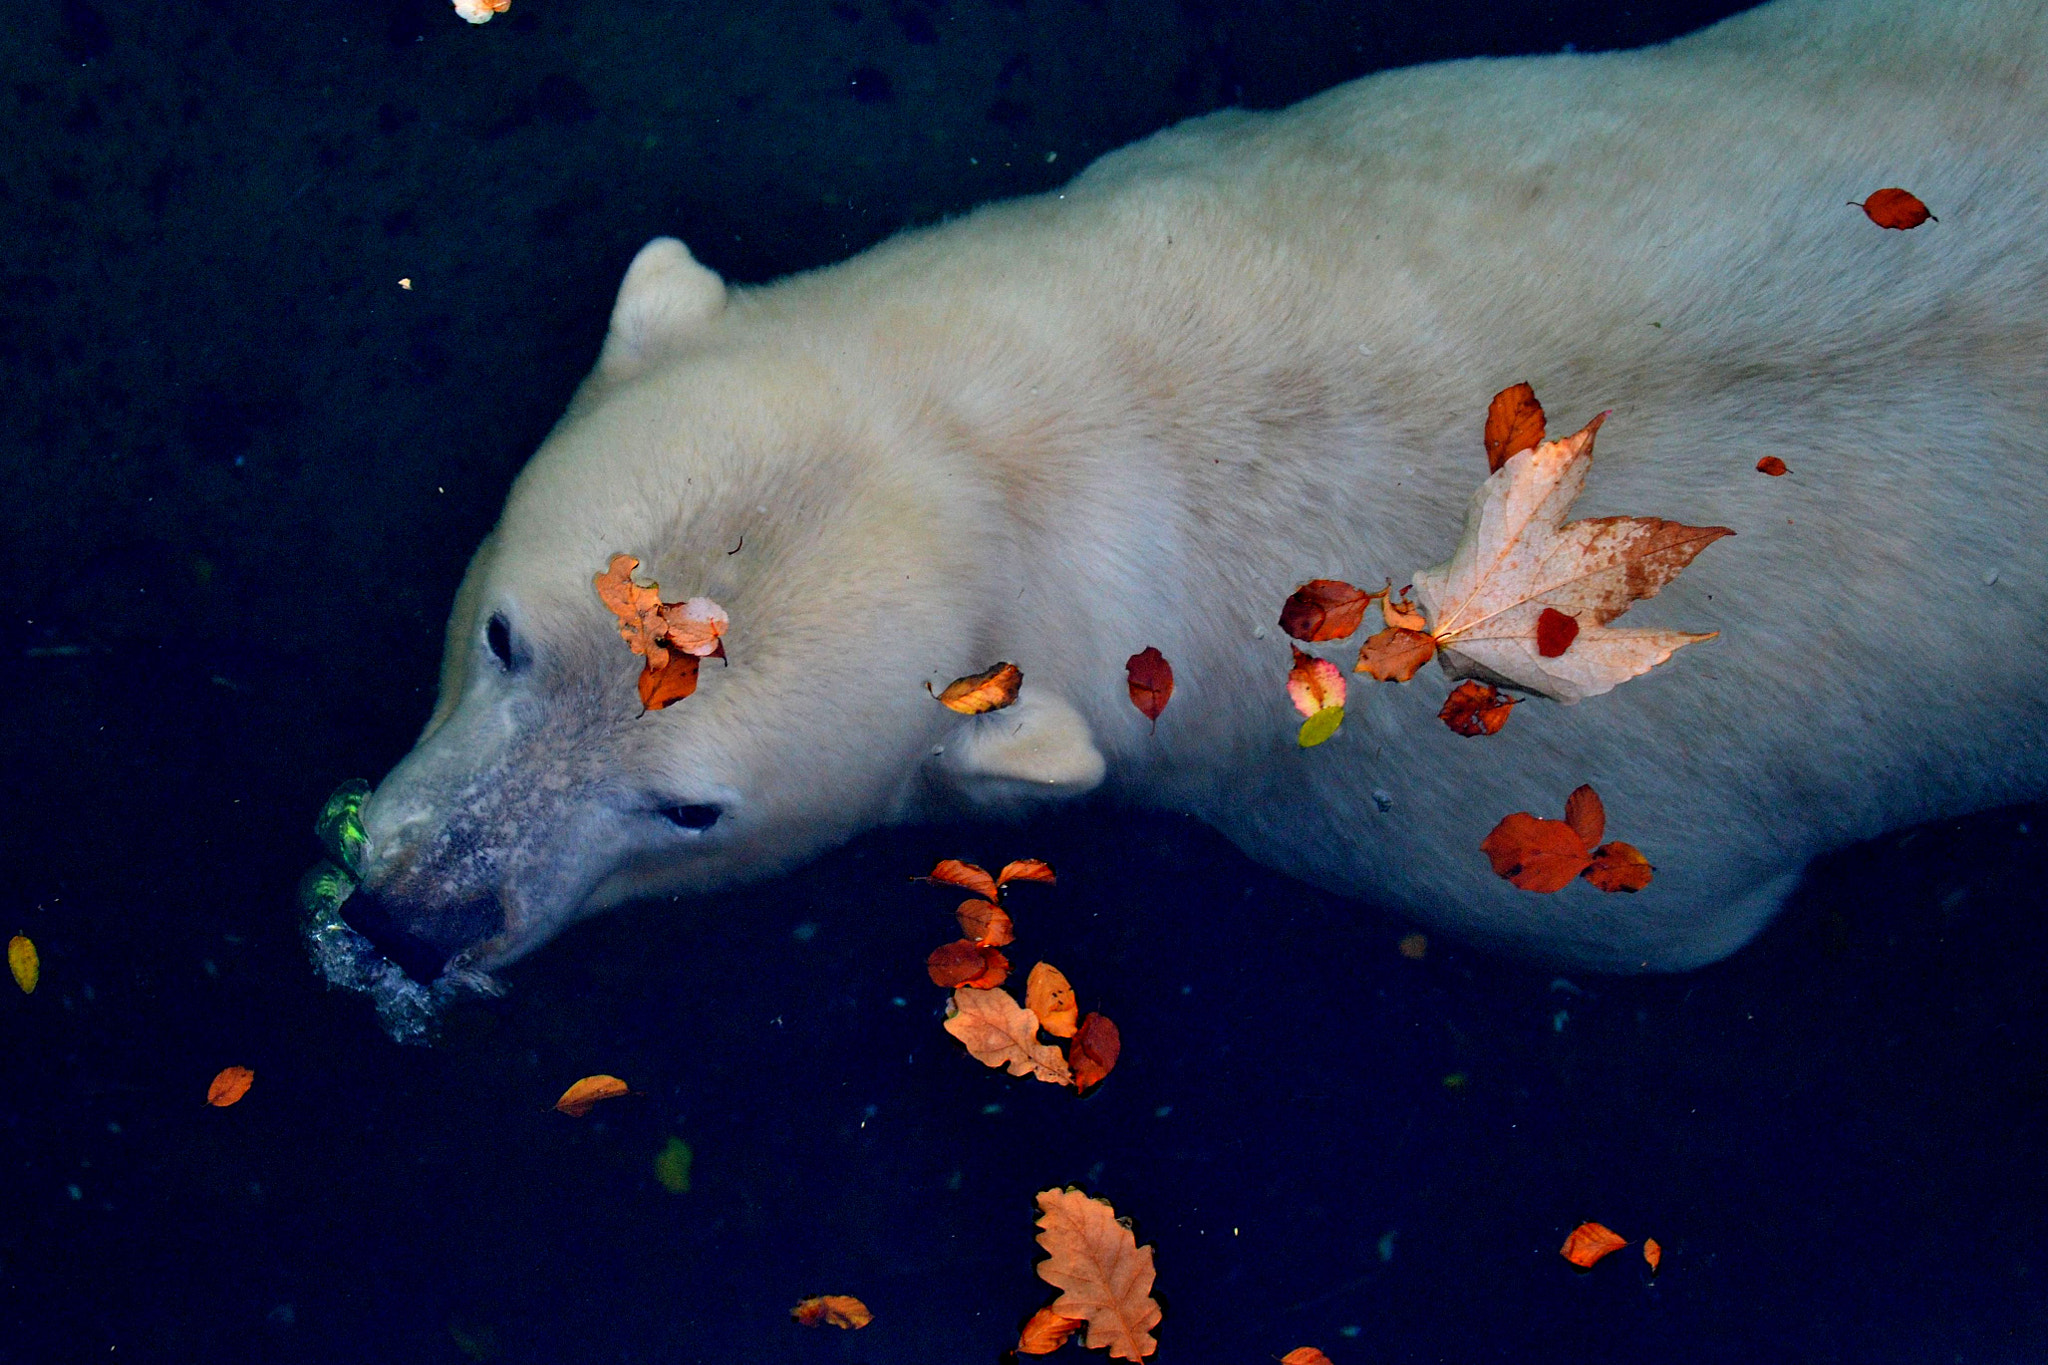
x=1254, y=350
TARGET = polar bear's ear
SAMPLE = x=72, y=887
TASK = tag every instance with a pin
x=666, y=297
x=1037, y=748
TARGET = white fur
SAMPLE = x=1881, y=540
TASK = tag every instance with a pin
x=1257, y=349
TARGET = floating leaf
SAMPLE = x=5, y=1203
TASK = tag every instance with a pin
x=1514, y=423
x=638, y=607
x=1619, y=867
x=1104, y=1276
x=229, y=1085
x=1094, y=1050
x=1895, y=208
x=1024, y=870
x=953, y=872
x=672, y=1166
x=1046, y=1332
x=1304, y=1355
x=997, y=1031
x=1314, y=684
x=1555, y=632
x=1324, y=609
x=1047, y=995
x=580, y=1098
x=1414, y=947
x=1401, y=614
x=990, y=690
x=1320, y=727
x=674, y=680
x=1149, y=678
x=1653, y=1254
x=1772, y=465
x=25, y=963
x=1395, y=654
x=840, y=1310
x=1586, y=814
x=672, y=636
x=695, y=625
x=986, y=923
x=967, y=963
x=1588, y=1242
x=1536, y=854
x=1476, y=708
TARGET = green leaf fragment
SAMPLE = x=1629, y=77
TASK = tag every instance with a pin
x=1321, y=726
x=672, y=1166
x=340, y=826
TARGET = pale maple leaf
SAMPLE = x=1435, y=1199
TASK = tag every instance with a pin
x=1519, y=557
x=1104, y=1275
x=1000, y=1032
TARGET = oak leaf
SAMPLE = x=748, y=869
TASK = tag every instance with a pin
x=1475, y=708
x=1895, y=208
x=1093, y=1052
x=1047, y=995
x=1046, y=1332
x=580, y=1098
x=1104, y=1276
x=1324, y=609
x=1536, y=854
x=1514, y=423
x=986, y=923
x=638, y=607
x=997, y=1031
x=1149, y=679
x=1588, y=1242
x=840, y=1310
x=989, y=690
x=1519, y=559
x=953, y=872
x=1395, y=654
x=229, y=1085
x=1619, y=867
x=24, y=962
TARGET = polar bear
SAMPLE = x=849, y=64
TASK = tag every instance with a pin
x=1253, y=350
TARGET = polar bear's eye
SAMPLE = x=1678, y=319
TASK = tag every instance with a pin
x=498, y=635
x=691, y=816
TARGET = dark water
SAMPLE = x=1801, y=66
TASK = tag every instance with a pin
x=241, y=471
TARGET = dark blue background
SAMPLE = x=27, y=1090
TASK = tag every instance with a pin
x=240, y=471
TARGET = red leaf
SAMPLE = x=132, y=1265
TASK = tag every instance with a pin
x=1555, y=632
x=1619, y=867
x=1094, y=1050
x=1771, y=465
x=953, y=872
x=1588, y=1242
x=1476, y=708
x=1324, y=609
x=1586, y=815
x=1150, y=679
x=966, y=963
x=1895, y=208
x=1535, y=854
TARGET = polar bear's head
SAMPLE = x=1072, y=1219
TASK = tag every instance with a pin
x=734, y=458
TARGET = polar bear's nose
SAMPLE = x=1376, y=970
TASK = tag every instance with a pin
x=420, y=944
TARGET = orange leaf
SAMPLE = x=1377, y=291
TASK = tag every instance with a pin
x=1535, y=854
x=1150, y=680
x=1047, y=995
x=1324, y=609
x=1104, y=1276
x=1619, y=867
x=1653, y=1253
x=1024, y=870
x=1094, y=1051
x=1046, y=1332
x=1414, y=947
x=1555, y=632
x=1514, y=423
x=1394, y=654
x=1402, y=614
x=1588, y=1242
x=1587, y=816
x=986, y=923
x=990, y=690
x=638, y=608
x=580, y=1098
x=953, y=872
x=1476, y=708
x=1304, y=1355
x=841, y=1310
x=1895, y=208
x=1772, y=465
x=967, y=963
x=659, y=687
x=997, y=1031
x=1314, y=684
x=230, y=1085
x=695, y=626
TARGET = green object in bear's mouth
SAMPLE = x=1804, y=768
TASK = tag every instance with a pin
x=340, y=826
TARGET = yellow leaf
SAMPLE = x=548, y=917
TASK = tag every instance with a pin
x=581, y=1097
x=990, y=690
x=672, y=1166
x=24, y=963
x=1320, y=726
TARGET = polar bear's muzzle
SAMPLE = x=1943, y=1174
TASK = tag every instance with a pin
x=423, y=944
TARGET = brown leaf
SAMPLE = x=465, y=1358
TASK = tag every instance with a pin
x=1475, y=708
x=1047, y=995
x=1772, y=465
x=1401, y=613
x=580, y=1098
x=1619, y=867
x=1519, y=559
x=1555, y=632
x=990, y=690
x=1104, y=1276
x=967, y=963
x=986, y=923
x=1653, y=1254
x=841, y=1310
x=1149, y=678
x=1304, y=1355
x=997, y=1031
x=1025, y=870
x=1324, y=609
x=1535, y=854
x=1046, y=1332
x=1588, y=1242
x=1094, y=1050
x=953, y=872
x=1895, y=208
x=660, y=687
x=229, y=1085
x=1514, y=423
x=1395, y=654
x=1414, y=947
x=1586, y=815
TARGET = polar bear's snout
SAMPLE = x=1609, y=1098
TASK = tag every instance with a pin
x=422, y=944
